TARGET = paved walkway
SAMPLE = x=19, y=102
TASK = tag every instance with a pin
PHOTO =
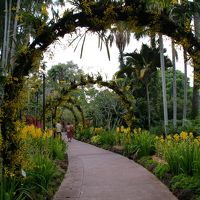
x=97, y=174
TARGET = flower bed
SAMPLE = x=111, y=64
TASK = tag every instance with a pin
x=43, y=162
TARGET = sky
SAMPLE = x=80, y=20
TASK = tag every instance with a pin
x=93, y=60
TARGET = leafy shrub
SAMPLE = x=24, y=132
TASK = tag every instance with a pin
x=57, y=148
x=42, y=171
x=161, y=170
x=107, y=139
x=96, y=139
x=12, y=189
x=36, y=156
x=119, y=138
x=84, y=135
x=142, y=144
x=183, y=181
x=146, y=161
x=182, y=156
x=129, y=149
x=190, y=126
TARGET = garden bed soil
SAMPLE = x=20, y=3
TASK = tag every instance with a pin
x=117, y=149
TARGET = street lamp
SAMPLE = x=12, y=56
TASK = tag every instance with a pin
x=44, y=101
x=42, y=71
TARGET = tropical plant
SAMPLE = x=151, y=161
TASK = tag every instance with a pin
x=161, y=170
x=122, y=38
x=174, y=85
x=181, y=153
x=106, y=139
x=162, y=62
x=185, y=88
x=57, y=148
x=142, y=67
x=142, y=143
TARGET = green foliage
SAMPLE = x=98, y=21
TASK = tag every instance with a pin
x=104, y=108
x=39, y=167
x=145, y=143
x=180, y=93
x=95, y=139
x=64, y=73
x=57, y=148
x=161, y=170
x=13, y=189
x=147, y=162
x=142, y=143
x=129, y=149
x=83, y=135
x=119, y=138
x=106, y=139
x=190, y=126
x=182, y=157
x=42, y=172
x=183, y=181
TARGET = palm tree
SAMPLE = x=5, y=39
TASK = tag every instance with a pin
x=142, y=66
x=195, y=99
x=185, y=88
x=162, y=62
x=174, y=85
x=122, y=38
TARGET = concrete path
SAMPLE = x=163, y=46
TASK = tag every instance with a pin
x=97, y=174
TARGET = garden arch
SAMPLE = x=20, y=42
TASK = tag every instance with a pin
x=69, y=103
x=129, y=117
x=96, y=16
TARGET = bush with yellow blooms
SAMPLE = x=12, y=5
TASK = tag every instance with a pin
x=36, y=156
x=181, y=151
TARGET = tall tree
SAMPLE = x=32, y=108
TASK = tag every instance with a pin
x=143, y=65
x=196, y=85
x=174, y=85
x=185, y=88
x=162, y=62
x=122, y=39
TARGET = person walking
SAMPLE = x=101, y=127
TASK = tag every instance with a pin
x=70, y=130
x=58, y=129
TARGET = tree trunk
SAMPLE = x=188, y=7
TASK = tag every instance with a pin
x=5, y=37
x=8, y=36
x=148, y=106
x=195, y=99
x=44, y=102
x=163, y=84
x=54, y=112
x=82, y=115
x=174, y=85
x=10, y=106
x=121, y=59
x=185, y=88
x=14, y=36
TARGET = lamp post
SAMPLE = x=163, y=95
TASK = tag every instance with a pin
x=42, y=71
x=44, y=101
x=36, y=107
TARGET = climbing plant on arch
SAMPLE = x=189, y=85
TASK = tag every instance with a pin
x=96, y=16
x=65, y=102
x=64, y=96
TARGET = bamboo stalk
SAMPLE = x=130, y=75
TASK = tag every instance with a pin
x=14, y=36
x=5, y=36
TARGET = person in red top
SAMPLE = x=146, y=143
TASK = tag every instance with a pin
x=70, y=130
